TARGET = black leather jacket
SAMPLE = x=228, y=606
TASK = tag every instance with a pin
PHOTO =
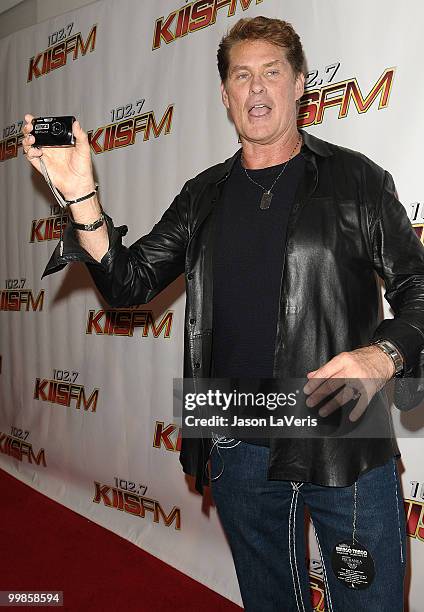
x=346, y=224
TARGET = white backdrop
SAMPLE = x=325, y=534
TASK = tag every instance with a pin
x=85, y=397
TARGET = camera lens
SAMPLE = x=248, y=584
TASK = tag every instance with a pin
x=57, y=128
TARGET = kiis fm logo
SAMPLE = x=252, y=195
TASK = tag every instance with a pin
x=9, y=147
x=123, y=133
x=124, y=321
x=56, y=56
x=136, y=504
x=414, y=518
x=49, y=228
x=416, y=216
x=316, y=586
x=315, y=102
x=14, y=445
x=16, y=298
x=168, y=437
x=105, y=138
x=63, y=390
x=192, y=17
x=414, y=510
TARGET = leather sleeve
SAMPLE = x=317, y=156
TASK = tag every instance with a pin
x=134, y=275
x=398, y=257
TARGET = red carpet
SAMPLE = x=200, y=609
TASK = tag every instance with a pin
x=44, y=546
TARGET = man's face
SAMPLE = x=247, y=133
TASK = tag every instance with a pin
x=261, y=91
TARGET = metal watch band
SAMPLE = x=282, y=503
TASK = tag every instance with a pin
x=90, y=227
x=391, y=351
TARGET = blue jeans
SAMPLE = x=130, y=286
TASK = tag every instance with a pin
x=265, y=526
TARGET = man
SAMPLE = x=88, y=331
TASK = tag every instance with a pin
x=295, y=228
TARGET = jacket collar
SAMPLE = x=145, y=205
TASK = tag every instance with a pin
x=322, y=148
x=311, y=146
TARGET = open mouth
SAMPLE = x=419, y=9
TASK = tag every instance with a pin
x=259, y=110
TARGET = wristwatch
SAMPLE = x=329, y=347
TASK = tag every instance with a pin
x=393, y=352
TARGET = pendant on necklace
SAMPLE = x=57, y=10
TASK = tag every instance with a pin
x=265, y=200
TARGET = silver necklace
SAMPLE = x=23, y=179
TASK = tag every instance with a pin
x=267, y=193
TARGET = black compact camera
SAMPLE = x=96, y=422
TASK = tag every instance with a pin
x=53, y=131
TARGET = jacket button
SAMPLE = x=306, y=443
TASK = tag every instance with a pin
x=192, y=321
x=196, y=365
x=190, y=275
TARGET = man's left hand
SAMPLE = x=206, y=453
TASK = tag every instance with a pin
x=364, y=372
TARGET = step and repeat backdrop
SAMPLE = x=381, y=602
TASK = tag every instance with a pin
x=85, y=389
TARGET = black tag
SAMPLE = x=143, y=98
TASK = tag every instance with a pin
x=353, y=565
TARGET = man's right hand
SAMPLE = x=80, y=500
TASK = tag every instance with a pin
x=69, y=168
x=71, y=172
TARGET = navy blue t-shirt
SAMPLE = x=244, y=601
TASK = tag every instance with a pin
x=248, y=255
